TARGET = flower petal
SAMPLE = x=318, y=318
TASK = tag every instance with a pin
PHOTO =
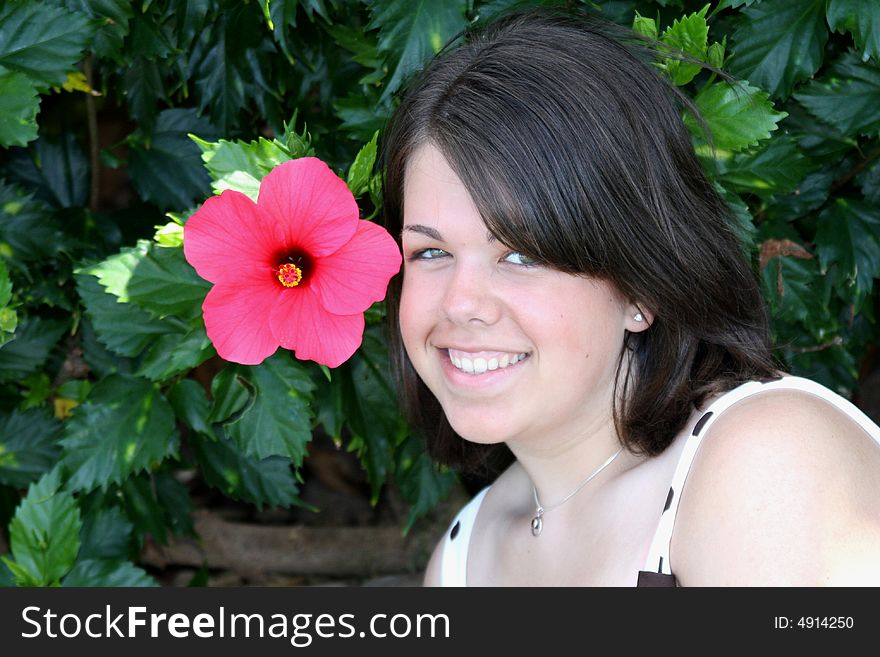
x=351, y=279
x=311, y=203
x=237, y=321
x=227, y=240
x=300, y=323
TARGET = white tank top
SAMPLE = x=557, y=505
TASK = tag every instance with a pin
x=657, y=570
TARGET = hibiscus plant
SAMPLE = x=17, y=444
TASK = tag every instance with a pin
x=192, y=265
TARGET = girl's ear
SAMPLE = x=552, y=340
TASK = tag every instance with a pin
x=638, y=318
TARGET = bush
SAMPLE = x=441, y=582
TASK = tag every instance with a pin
x=118, y=119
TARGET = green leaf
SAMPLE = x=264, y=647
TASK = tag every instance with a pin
x=240, y=165
x=370, y=407
x=44, y=534
x=28, y=446
x=156, y=278
x=42, y=41
x=143, y=508
x=869, y=181
x=282, y=15
x=738, y=115
x=411, y=32
x=690, y=35
x=60, y=168
x=106, y=572
x=106, y=534
x=789, y=287
x=166, y=169
x=27, y=226
x=231, y=393
x=29, y=348
x=267, y=481
x=144, y=90
x=848, y=236
x=278, y=420
x=190, y=403
x=125, y=329
x=778, y=44
x=421, y=484
x=175, y=500
x=112, y=17
x=125, y=426
x=362, y=114
x=810, y=193
x=775, y=169
x=645, y=26
x=220, y=71
x=174, y=353
x=861, y=19
x=19, y=104
x=5, y=286
x=362, y=168
x=743, y=225
x=847, y=97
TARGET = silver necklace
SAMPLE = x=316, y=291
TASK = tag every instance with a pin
x=540, y=510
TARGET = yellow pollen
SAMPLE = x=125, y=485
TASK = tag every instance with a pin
x=289, y=275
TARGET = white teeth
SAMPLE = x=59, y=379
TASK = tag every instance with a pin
x=481, y=365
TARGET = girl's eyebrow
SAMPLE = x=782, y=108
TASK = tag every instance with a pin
x=422, y=230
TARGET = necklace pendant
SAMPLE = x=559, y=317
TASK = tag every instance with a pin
x=537, y=523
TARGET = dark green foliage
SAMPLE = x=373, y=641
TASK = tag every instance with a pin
x=114, y=113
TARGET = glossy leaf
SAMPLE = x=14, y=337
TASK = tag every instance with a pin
x=268, y=481
x=106, y=534
x=28, y=446
x=175, y=353
x=107, y=572
x=19, y=104
x=777, y=168
x=859, y=18
x=847, y=97
x=277, y=420
x=778, y=44
x=690, y=35
x=422, y=485
x=124, y=427
x=155, y=278
x=410, y=32
x=123, y=328
x=29, y=348
x=240, y=165
x=190, y=403
x=738, y=116
x=44, y=534
x=28, y=230
x=165, y=169
x=362, y=168
x=848, y=236
x=41, y=40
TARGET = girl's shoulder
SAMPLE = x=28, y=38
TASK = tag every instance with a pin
x=784, y=489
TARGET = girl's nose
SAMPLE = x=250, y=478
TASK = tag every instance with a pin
x=469, y=297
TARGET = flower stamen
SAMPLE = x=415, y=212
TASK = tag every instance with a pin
x=289, y=275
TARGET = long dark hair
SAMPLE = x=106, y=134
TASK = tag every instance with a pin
x=573, y=149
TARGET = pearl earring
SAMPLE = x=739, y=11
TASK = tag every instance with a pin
x=638, y=317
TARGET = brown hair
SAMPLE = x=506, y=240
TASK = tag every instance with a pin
x=573, y=149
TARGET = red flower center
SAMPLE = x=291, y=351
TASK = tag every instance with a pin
x=291, y=268
x=290, y=275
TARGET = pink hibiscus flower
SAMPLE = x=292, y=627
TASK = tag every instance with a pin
x=297, y=269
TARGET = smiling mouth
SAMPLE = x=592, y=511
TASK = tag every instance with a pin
x=471, y=364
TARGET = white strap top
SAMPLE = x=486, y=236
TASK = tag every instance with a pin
x=453, y=569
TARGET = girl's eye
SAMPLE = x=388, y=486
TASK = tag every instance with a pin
x=428, y=254
x=517, y=258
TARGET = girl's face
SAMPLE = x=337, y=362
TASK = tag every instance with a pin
x=510, y=348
